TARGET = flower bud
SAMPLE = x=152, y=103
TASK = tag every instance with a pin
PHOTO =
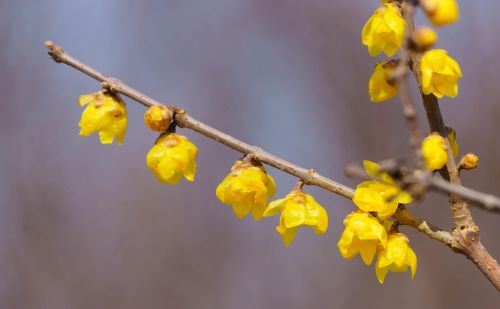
x=158, y=118
x=468, y=162
x=424, y=38
x=441, y=12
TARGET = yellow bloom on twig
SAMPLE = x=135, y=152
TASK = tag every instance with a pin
x=435, y=151
x=247, y=189
x=440, y=73
x=298, y=209
x=172, y=157
x=397, y=257
x=441, y=12
x=384, y=31
x=105, y=113
x=362, y=235
x=379, y=87
x=380, y=195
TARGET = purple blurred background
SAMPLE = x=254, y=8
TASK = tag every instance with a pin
x=87, y=226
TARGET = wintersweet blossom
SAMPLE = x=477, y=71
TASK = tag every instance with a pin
x=397, y=257
x=379, y=87
x=105, y=113
x=246, y=189
x=362, y=235
x=298, y=209
x=172, y=157
x=380, y=195
x=440, y=73
x=384, y=31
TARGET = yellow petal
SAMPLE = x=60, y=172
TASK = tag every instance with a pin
x=294, y=214
x=241, y=210
x=274, y=207
x=288, y=236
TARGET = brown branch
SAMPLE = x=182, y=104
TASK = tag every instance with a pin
x=182, y=119
x=483, y=201
x=309, y=177
x=466, y=232
x=405, y=218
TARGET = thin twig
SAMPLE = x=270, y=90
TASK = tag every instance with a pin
x=182, y=119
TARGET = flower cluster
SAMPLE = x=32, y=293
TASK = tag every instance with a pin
x=385, y=32
x=369, y=233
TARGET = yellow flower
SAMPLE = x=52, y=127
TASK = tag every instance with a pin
x=434, y=151
x=172, y=157
x=105, y=113
x=158, y=118
x=381, y=195
x=384, y=31
x=441, y=12
x=440, y=73
x=247, y=189
x=396, y=257
x=298, y=209
x=379, y=87
x=363, y=234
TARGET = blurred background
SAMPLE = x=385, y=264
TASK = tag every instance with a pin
x=84, y=225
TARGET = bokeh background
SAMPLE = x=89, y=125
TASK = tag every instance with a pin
x=84, y=225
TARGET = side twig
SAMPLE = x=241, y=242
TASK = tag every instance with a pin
x=466, y=232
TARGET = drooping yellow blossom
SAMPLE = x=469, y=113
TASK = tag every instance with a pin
x=298, y=209
x=384, y=31
x=247, y=189
x=381, y=194
x=424, y=38
x=172, y=157
x=158, y=118
x=441, y=12
x=105, y=113
x=379, y=87
x=362, y=235
x=452, y=139
x=440, y=73
x=435, y=151
x=397, y=257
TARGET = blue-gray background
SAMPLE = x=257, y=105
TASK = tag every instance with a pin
x=87, y=226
